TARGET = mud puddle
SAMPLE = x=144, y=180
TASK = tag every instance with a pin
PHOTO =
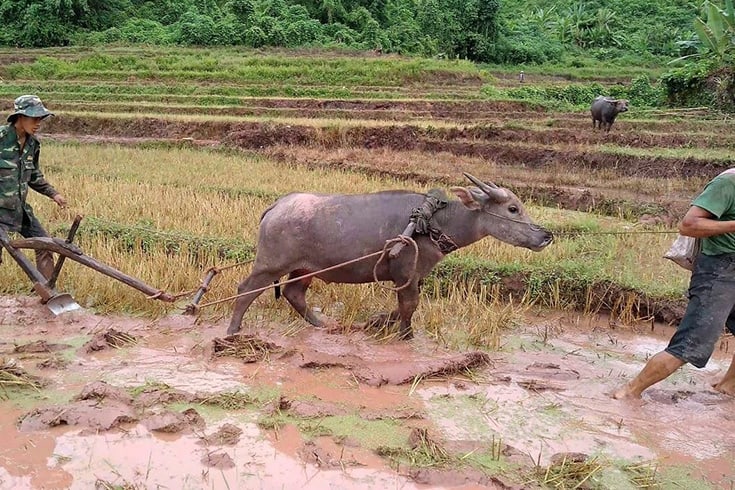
x=304, y=415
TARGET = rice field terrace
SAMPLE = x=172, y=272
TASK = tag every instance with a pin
x=173, y=154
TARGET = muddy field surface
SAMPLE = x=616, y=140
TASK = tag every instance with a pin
x=173, y=403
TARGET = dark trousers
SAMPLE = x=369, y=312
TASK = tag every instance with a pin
x=31, y=228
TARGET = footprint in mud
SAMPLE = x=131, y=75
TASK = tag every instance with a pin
x=672, y=397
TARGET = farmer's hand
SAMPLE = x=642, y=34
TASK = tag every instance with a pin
x=60, y=200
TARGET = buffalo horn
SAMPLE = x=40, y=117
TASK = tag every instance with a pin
x=493, y=191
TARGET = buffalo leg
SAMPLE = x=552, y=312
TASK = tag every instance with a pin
x=295, y=293
x=408, y=301
x=254, y=281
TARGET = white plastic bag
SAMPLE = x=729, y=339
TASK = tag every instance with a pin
x=684, y=251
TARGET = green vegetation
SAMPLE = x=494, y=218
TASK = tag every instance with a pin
x=571, y=39
x=489, y=31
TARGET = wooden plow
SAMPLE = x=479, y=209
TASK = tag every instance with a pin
x=57, y=302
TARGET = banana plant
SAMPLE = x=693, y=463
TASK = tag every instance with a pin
x=716, y=35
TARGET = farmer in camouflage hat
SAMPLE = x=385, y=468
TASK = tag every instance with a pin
x=19, y=170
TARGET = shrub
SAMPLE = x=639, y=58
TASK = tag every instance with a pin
x=684, y=86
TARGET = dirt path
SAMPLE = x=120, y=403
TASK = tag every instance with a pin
x=126, y=400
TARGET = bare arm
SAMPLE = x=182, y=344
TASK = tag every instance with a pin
x=699, y=223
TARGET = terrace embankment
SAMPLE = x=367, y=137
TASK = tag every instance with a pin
x=558, y=166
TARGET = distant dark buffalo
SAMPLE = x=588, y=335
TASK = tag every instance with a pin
x=604, y=111
x=304, y=233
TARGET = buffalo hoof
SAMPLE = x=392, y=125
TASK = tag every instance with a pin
x=405, y=335
x=233, y=330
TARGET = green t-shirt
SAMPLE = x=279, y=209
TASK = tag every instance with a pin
x=718, y=197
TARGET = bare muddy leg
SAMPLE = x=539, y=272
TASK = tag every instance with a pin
x=658, y=368
x=727, y=383
x=295, y=293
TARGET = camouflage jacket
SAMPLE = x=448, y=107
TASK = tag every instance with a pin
x=18, y=172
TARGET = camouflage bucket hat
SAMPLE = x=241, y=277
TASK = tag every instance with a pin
x=29, y=105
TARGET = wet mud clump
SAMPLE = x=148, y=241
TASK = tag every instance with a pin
x=218, y=460
x=153, y=395
x=435, y=477
x=227, y=435
x=249, y=348
x=99, y=406
x=109, y=338
x=174, y=422
x=99, y=390
x=92, y=413
x=55, y=362
x=432, y=463
x=102, y=407
x=39, y=346
x=396, y=373
x=307, y=409
x=314, y=453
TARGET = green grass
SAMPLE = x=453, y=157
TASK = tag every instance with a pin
x=722, y=156
x=165, y=65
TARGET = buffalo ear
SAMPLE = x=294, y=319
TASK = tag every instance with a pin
x=465, y=195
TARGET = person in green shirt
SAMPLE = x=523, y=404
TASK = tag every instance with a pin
x=19, y=171
x=711, y=305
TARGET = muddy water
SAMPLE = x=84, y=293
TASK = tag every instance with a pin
x=546, y=392
x=548, y=397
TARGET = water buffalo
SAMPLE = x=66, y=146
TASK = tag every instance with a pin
x=604, y=111
x=304, y=233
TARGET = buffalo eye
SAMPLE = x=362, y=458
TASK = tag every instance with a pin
x=513, y=208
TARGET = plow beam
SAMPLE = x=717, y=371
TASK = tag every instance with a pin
x=72, y=252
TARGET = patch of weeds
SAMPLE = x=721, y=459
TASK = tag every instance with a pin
x=246, y=347
x=101, y=484
x=25, y=399
x=570, y=473
x=422, y=451
x=77, y=341
x=238, y=400
x=314, y=428
x=61, y=459
x=467, y=412
x=274, y=421
x=210, y=413
x=230, y=400
x=643, y=475
x=13, y=376
x=119, y=339
x=149, y=385
x=683, y=477
x=70, y=354
x=490, y=462
x=553, y=410
x=369, y=433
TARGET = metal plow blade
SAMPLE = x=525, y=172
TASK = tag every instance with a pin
x=62, y=303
